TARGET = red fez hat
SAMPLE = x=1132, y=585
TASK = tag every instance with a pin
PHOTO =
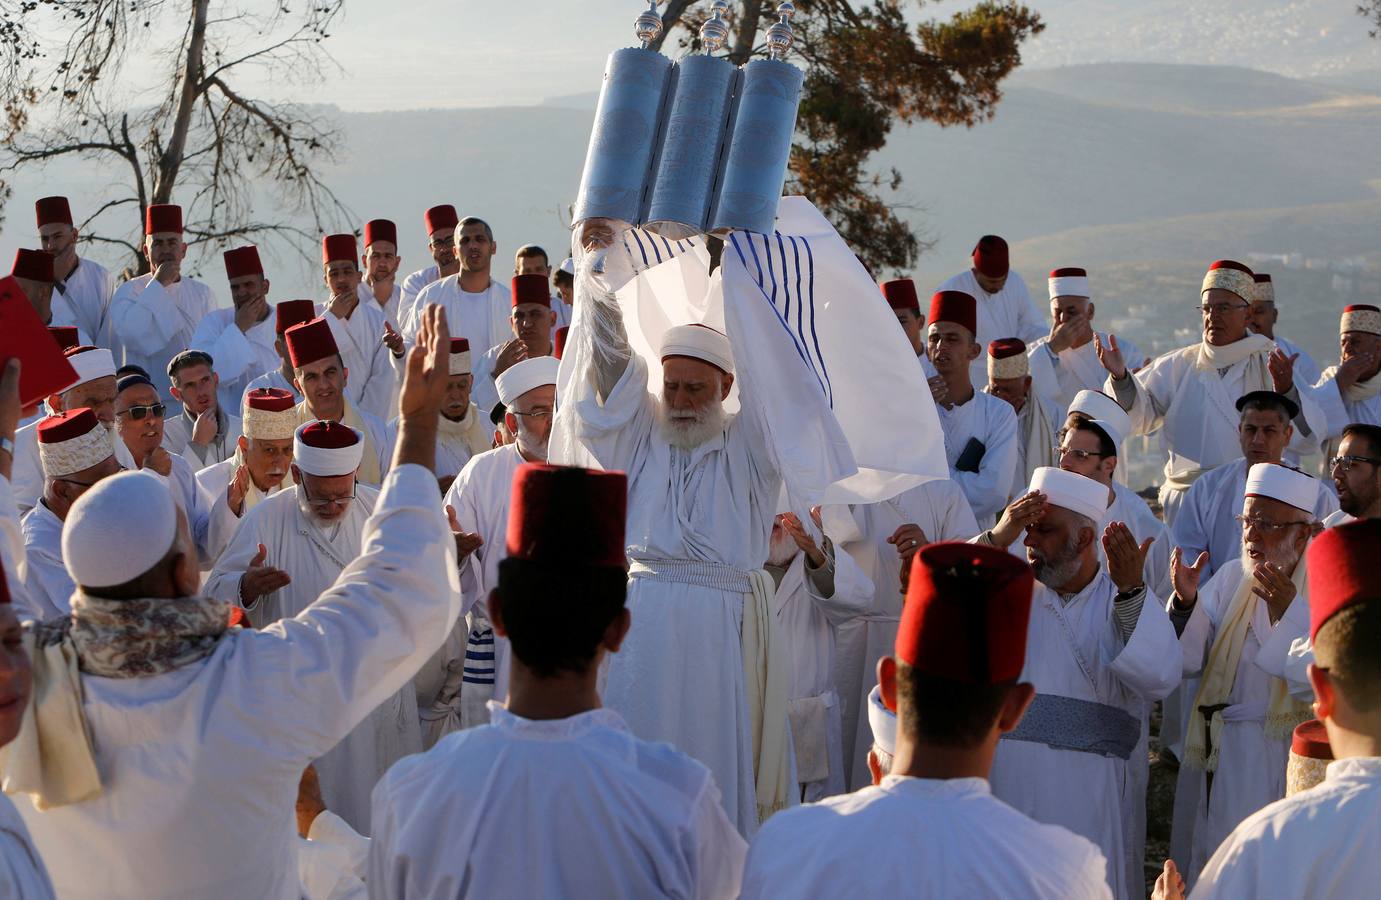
x=547, y=499
x=966, y=611
x=1262, y=278
x=439, y=217
x=270, y=400
x=559, y=342
x=990, y=256
x=53, y=210
x=1005, y=347
x=292, y=312
x=65, y=426
x=309, y=342
x=380, y=230
x=1361, y=307
x=1341, y=572
x=1231, y=264
x=338, y=248
x=957, y=307
x=242, y=261
x=1310, y=740
x=460, y=345
x=531, y=289
x=77, y=348
x=162, y=217
x=901, y=294
x=35, y=265
x=1069, y=272
x=328, y=435
x=65, y=335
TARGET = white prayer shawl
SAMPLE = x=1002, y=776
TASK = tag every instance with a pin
x=27, y=472
x=411, y=287
x=152, y=324
x=1038, y=424
x=520, y=789
x=87, y=292
x=1206, y=520
x=221, y=523
x=1323, y=842
x=389, y=308
x=1074, y=369
x=1252, y=771
x=943, y=838
x=1076, y=650
x=22, y=873
x=940, y=510
x=200, y=764
x=808, y=620
x=1009, y=313
x=482, y=319
x=992, y=422
x=373, y=382
x=46, y=582
x=458, y=442
x=1194, y=408
x=1361, y=404
x=273, y=378
x=177, y=439
x=314, y=560
x=239, y=355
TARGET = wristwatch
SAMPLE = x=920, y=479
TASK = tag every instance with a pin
x=7, y=445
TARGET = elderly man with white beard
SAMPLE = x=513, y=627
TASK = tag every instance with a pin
x=463, y=431
x=288, y=550
x=1098, y=650
x=260, y=467
x=817, y=588
x=1242, y=717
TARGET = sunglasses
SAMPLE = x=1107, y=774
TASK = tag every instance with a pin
x=139, y=412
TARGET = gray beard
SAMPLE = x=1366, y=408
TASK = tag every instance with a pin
x=689, y=433
x=1056, y=572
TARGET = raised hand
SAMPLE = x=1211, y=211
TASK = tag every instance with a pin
x=159, y=460
x=237, y=488
x=260, y=578
x=428, y=368
x=791, y=524
x=1282, y=370
x=1273, y=586
x=939, y=391
x=1064, y=333
x=251, y=314
x=392, y=340
x=513, y=352
x=204, y=431
x=1185, y=578
x=1169, y=884
x=1351, y=369
x=1017, y=517
x=466, y=542
x=1126, y=560
x=1110, y=355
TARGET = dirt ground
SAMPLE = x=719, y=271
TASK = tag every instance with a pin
x=1160, y=804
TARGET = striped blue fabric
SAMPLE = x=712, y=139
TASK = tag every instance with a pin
x=479, y=657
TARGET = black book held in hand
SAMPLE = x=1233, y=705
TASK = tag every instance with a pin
x=971, y=456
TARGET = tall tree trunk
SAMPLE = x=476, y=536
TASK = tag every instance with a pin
x=171, y=160
x=747, y=32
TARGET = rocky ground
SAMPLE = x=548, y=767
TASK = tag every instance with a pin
x=1160, y=803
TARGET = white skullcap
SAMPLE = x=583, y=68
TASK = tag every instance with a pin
x=1068, y=283
x=97, y=362
x=327, y=449
x=1111, y=430
x=532, y=373
x=1099, y=406
x=568, y=266
x=699, y=342
x=1071, y=491
x=882, y=721
x=1277, y=482
x=119, y=529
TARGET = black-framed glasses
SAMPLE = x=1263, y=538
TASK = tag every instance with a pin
x=1062, y=452
x=1347, y=462
x=1220, y=309
x=1264, y=526
x=139, y=412
x=322, y=503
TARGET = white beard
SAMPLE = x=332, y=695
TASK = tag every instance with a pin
x=689, y=430
x=781, y=548
x=1284, y=559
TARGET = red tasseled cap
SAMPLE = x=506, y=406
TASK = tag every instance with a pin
x=530, y=289
x=559, y=342
x=270, y=400
x=1069, y=272
x=309, y=342
x=67, y=425
x=1361, y=307
x=547, y=499
x=242, y=261
x=380, y=230
x=65, y=335
x=292, y=312
x=53, y=210
x=990, y=256
x=966, y=611
x=439, y=217
x=954, y=306
x=1230, y=264
x=338, y=248
x=1310, y=741
x=1005, y=347
x=163, y=217
x=1341, y=570
x=901, y=294
x=34, y=265
x=328, y=435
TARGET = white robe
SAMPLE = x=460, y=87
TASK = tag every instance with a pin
x=481, y=318
x=1251, y=771
x=373, y=382
x=454, y=451
x=552, y=809
x=1323, y=842
x=1076, y=650
x=1055, y=420
x=239, y=356
x=388, y=308
x=993, y=423
x=62, y=313
x=314, y=561
x=221, y=523
x=809, y=605
x=27, y=471
x=411, y=287
x=46, y=581
x=201, y=764
x=1342, y=412
x=919, y=837
x=1062, y=375
x=1009, y=313
x=1206, y=517
x=152, y=324
x=88, y=291
x=333, y=860
x=940, y=510
x=177, y=438
x=23, y=875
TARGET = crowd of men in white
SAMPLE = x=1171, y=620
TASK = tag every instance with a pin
x=313, y=550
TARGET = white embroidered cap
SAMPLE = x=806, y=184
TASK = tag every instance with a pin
x=1099, y=406
x=270, y=414
x=699, y=342
x=882, y=721
x=1277, y=482
x=460, y=357
x=92, y=363
x=327, y=449
x=1068, y=282
x=1071, y=491
x=532, y=373
x=1007, y=359
x=72, y=442
x=1360, y=317
x=119, y=529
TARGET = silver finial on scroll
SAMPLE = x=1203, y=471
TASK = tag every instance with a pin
x=648, y=26
x=779, y=36
x=714, y=33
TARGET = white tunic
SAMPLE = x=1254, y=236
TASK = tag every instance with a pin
x=373, y=381
x=27, y=472
x=1076, y=650
x=46, y=581
x=919, y=837
x=239, y=356
x=178, y=431
x=1323, y=842
x=389, y=308
x=1206, y=520
x=23, y=875
x=1342, y=412
x=88, y=291
x=411, y=287
x=1008, y=313
x=61, y=312
x=333, y=861
x=201, y=764
x=1251, y=772
x=551, y=809
x=1055, y=419
x=221, y=523
x=992, y=422
x=314, y=558
x=458, y=442
x=940, y=510
x=152, y=324
x=809, y=605
x=1074, y=369
x=481, y=318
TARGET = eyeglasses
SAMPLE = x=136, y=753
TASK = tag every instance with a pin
x=1062, y=452
x=1265, y=526
x=322, y=503
x=1220, y=309
x=538, y=414
x=139, y=412
x=1345, y=463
